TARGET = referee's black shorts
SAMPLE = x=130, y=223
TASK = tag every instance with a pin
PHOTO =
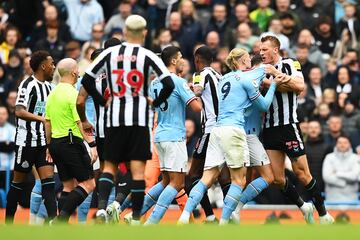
x=287, y=138
x=72, y=160
x=126, y=143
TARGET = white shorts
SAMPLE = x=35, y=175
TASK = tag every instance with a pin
x=227, y=144
x=258, y=156
x=173, y=156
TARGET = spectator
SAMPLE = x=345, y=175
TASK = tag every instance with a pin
x=213, y=42
x=322, y=114
x=262, y=14
x=309, y=13
x=51, y=18
x=190, y=23
x=242, y=16
x=343, y=81
x=4, y=17
x=290, y=28
x=5, y=86
x=52, y=43
x=27, y=68
x=163, y=40
x=335, y=130
x=316, y=85
x=350, y=22
x=118, y=20
x=96, y=41
x=343, y=45
x=116, y=33
x=85, y=60
x=7, y=145
x=10, y=104
x=284, y=7
x=83, y=14
x=12, y=37
x=73, y=50
x=302, y=55
x=177, y=34
x=315, y=55
x=220, y=24
x=341, y=172
x=14, y=69
x=221, y=56
x=275, y=28
x=351, y=122
x=316, y=150
x=325, y=35
x=245, y=38
x=24, y=15
x=306, y=105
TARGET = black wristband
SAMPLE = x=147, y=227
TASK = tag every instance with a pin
x=92, y=144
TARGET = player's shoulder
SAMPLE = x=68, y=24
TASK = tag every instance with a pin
x=27, y=82
x=292, y=62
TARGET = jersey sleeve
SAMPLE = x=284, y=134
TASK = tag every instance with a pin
x=157, y=65
x=72, y=105
x=295, y=67
x=198, y=80
x=24, y=94
x=47, y=107
x=184, y=91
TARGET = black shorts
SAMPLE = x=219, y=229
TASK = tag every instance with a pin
x=100, y=148
x=201, y=147
x=287, y=138
x=126, y=143
x=72, y=160
x=26, y=157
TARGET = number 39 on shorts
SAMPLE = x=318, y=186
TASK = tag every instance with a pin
x=134, y=78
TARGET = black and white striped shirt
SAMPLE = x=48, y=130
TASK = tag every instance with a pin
x=282, y=110
x=208, y=79
x=128, y=67
x=32, y=94
x=100, y=111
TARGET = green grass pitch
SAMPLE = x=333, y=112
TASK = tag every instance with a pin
x=189, y=232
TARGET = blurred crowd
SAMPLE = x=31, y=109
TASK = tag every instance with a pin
x=323, y=35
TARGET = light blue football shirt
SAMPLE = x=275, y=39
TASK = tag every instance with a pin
x=253, y=118
x=235, y=94
x=89, y=105
x=171, y=114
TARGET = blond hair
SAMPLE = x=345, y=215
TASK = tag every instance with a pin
x=234, y=55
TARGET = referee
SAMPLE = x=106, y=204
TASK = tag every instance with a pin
x=64, y=134
x=127, y=137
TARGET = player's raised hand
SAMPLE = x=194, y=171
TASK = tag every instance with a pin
x=280, y=78
x=270, y=69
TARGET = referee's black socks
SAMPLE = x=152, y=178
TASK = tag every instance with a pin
x=137, y=197
x=48, y=195
x=289, y=191
x=14, y=195
x=313, y=189
x=106, y=183
x=75, y=198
